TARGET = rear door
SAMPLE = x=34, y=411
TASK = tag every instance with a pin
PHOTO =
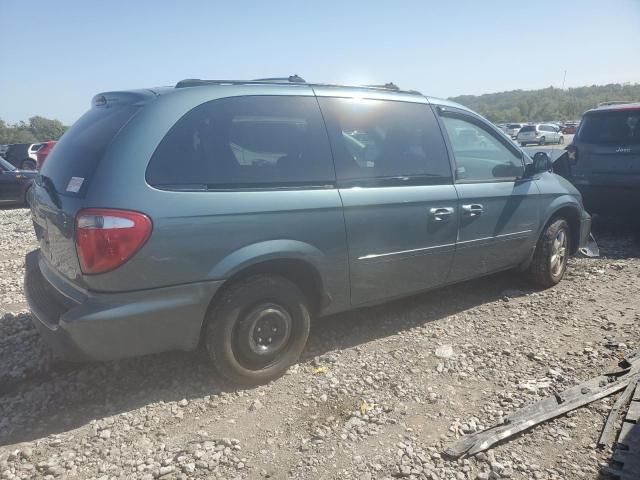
x=499, y=210
x=395, y=181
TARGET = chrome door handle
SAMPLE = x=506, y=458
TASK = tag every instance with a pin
x=441, y=213
x=473, y=209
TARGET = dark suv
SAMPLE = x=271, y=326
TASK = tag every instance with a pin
x=605, y=159
x=232, y=212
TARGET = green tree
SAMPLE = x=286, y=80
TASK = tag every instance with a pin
x=38, y=129
x=46, y=129
x=547, y=103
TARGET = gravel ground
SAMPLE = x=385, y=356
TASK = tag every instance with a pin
x=378, y=393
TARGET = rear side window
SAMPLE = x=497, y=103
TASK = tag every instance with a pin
x=379, y=142
x=245, y=142
x=80, y=149
x=613, y=127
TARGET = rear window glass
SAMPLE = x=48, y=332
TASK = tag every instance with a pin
x=528, y=128
x=614, y=127
x=245, y=142
x=513, y=125
x=80, y=149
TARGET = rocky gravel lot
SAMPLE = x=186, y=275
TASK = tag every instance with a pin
x=377, y=395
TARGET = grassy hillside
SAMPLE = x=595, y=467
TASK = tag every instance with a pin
x=546, y=104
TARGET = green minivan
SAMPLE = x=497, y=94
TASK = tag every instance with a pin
x=231, y=213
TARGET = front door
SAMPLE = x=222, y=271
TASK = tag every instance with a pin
x=400, y=205
x=499, y=209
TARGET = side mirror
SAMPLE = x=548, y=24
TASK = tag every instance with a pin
x=541, y=163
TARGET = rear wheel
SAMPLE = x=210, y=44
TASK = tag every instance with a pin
x=542, y=141
x=257, y=329
x=561, y=140
x=28, y=165
x=522, y=144
x=552, y=251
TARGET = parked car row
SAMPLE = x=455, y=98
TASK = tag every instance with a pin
x=206, y=193
x=27, y=156
x=539, y=134
x=512, y=129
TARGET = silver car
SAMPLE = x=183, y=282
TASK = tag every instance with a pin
x=540, y=134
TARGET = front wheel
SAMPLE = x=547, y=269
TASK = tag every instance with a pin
x=549, y=261
x=257, y=329
x=522, y=144
x=542, y=141
x=561, y=141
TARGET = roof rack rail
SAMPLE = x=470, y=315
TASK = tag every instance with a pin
x=616, y=102
x=291, y=79
x=196, y=82
x=386, y=86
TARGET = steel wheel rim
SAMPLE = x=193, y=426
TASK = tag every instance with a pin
x=558, y=253
x=262, y=335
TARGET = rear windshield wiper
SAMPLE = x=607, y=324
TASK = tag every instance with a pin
x=46, y=183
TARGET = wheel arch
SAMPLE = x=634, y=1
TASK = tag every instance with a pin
x=296, y=261
x=571, y=213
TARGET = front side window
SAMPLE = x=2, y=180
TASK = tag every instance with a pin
x=245, y=142
x=479, y=155
x=380, y=142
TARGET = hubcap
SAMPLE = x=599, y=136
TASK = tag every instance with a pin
x=262, y=334
x=558, y=253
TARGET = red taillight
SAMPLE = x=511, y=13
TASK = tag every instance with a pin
x=572, y=152
x=105, y=238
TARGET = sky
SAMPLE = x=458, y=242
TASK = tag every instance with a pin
x=56, y=55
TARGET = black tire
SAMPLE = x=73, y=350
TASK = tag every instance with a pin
x=523, y=144
x=232, y=339
x=542, y=141
x=543, y=269
x=28, y=165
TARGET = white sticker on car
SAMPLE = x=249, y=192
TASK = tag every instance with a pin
x=74, y=184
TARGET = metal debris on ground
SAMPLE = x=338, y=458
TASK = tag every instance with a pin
x=549, y=408
x=626, y=457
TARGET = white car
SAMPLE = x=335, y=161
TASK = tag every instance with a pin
x=541, y=134
x=512, y=129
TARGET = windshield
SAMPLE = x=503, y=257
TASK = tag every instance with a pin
x=611, y=127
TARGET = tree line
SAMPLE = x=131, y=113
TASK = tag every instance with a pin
x=547, y=104
x=38, y=129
